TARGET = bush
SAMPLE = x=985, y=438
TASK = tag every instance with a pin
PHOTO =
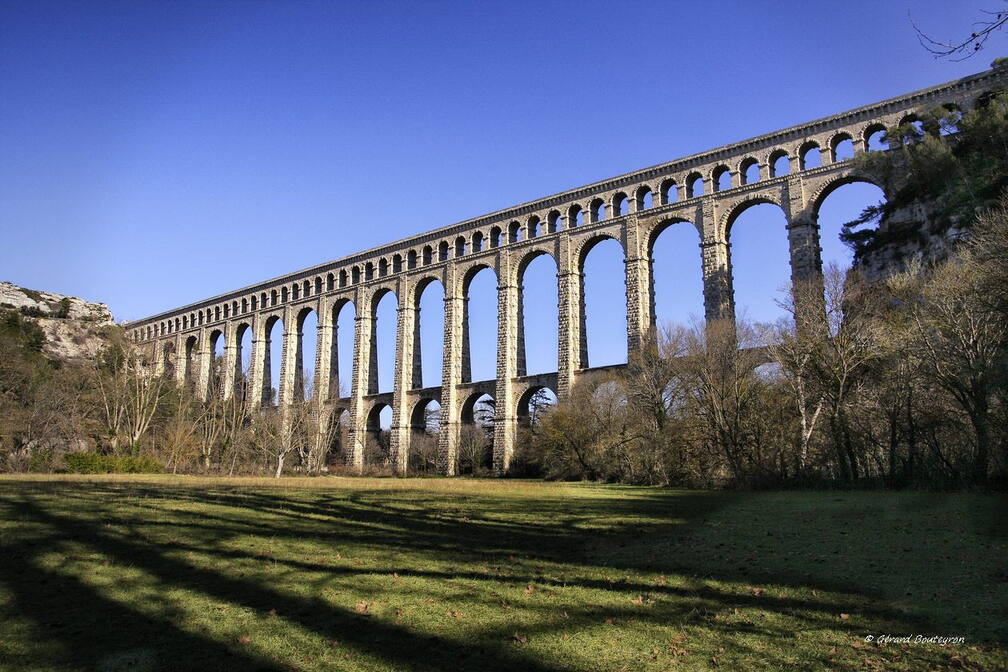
x=93, y=463
x=32, y=311
x=64, y=308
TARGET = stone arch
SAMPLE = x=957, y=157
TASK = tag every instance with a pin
x=460, y=247
x=443, y=249
x=620, y=204
x=758, y=255
x=168, y=359
x=746, y=175
x=485, y=311
x=585, y=246
x=467, y=409
x=383, y=267
x=869, y=131
x=640, y=198
x=215, y=341
x=834, y=145
x=597, y=210
x=724, y=229
x=418, y=418
x=805, y=154
x=694, y=185
x=189, y=363
x=822, y=191
x=302, y=383
x=600, y=321
x=532, y=227
x=664, y=224
x=377, y=445
x=575, y=216
x=524, y=407
x=553, y=221
x=514, y=232
x=419, y=351
x=537, y=311
x=240, y=376
x=397, y=266
x=338, y=347
x=668, y=191
x=268, y=357
x=423, y=440
x=472, y=271
x=527, y=257
x=675, y=272
x=721, y=178
x=772, y=161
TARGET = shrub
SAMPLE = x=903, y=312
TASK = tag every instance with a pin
x=93, y=463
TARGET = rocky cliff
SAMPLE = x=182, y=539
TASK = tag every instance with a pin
x=74, y=328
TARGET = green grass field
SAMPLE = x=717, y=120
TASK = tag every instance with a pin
x=151, y=573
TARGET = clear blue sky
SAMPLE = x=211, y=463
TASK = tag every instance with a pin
x=152, y=154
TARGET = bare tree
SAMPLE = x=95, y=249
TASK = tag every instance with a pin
x=960, y=343
x=129, y=392
x=962, y=48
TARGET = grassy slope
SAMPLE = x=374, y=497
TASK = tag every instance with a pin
x=178, y=573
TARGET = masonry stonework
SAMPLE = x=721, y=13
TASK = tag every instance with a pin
x=564, y=226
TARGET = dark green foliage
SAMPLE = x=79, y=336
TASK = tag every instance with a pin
x=25, y=334
x=954, y=165
x=31, y=294
x=94, y=463
x=64, y=308
x=32, y=311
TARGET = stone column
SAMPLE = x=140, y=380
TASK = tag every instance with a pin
x=232, y=361
x=400, y=435
x=569, y=315
x=505, y=422
x=521, y=368
x=326, y=355
x=451, y=374
x=416, y=357
x=803, y=241
x=719, y=300
x=204, y=359
x=159, y=358
x=466, y=353
x=582, y=321
x=638, y=286
x=290, y=362
x=258, y=385
x=358, y=389
x=718, y=293
x=180, y=360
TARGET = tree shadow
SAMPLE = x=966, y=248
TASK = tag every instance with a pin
x=551, y=543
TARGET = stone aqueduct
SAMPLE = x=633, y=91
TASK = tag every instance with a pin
x=708, y=190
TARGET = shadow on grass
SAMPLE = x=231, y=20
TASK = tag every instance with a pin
x=607, y=534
